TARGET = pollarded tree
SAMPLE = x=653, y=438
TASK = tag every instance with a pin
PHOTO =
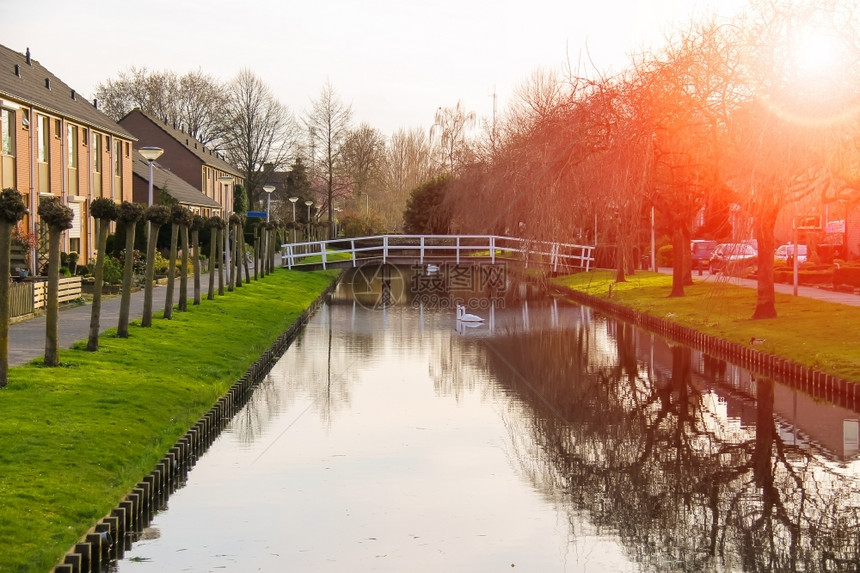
x=128, y=215
x=184, y=225
x=197, y=222
x=237, y=253
x=177, y=215
x=58, y=218
x=156, y=216
x=12, y=210
x=104, y=211
x=216, y=255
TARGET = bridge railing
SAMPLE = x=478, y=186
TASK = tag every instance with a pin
x=423, y=249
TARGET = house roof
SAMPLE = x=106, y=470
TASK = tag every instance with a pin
x=208, y=156
x=34, y=85
x=162, y=179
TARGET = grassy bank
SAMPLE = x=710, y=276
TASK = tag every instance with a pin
x=815, y=333
x=75, y=439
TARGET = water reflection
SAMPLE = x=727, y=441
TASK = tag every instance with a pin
x=549, y=438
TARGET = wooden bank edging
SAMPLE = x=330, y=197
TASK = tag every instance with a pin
x=832, y=388
x=114, y=533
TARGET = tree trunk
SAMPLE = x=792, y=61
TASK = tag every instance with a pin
x=231, y=249
x=257, y=253
x=678, y=242
x=619, y=260
x=96, y=311
x=171, y=272
x=146, y=320
x=766, y=297
x=245, y=261
x=127, y=275
x=213, y=260
x=52, y=315
x=5, y=314
x=195, y=263
x=221, y=254
x=183, y=272
x=237, y=255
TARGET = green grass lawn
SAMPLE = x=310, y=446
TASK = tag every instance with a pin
x=330, y=258
x=819, y=334
x=77, y=438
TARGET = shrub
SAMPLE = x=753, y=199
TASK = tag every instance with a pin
x=665, y=256
x=112, y=271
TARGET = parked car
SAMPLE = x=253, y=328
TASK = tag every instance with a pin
x=784, y=252
x=700, y=253
x=733, y=259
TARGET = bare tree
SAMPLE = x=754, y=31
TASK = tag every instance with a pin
x=450, y=129
x=193, y=103
x=260, y=133
x=328, y=124
x=362, y=158
x=407, y=164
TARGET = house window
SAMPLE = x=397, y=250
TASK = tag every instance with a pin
x=7, y=148
x=97, y=152
x=7, y=119
x=72, y=144
x=44, y=143
x=117, y=158
x=58, y=128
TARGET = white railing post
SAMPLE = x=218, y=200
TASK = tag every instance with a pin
x=553, y=257
x=384, y=249
x=493, y=249
x=458, y=249
x=421, y=251
x=322, y=253
x=352, y=250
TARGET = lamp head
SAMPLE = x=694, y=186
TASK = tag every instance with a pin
x=309, y=202
x=151, y=153
x=293, y=199
x=225, y=179
x=268, y=188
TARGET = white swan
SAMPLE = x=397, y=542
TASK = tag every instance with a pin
x=463, y=316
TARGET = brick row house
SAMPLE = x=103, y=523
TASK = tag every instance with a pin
x=55, y=142
x=202, y=168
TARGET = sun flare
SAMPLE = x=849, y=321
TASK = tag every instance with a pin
x=817, y=51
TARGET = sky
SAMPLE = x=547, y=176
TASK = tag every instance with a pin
x=395, y=62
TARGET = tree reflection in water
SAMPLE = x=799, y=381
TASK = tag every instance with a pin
x=638, y=445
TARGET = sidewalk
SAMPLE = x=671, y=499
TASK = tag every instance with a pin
x=27, y=337
x=827, y=295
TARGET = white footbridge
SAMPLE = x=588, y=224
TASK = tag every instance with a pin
x=437, y=250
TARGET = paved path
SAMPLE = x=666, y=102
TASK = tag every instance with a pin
x=27, y=337
x=807, y=291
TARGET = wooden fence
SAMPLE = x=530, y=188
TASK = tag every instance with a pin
x=27, y=297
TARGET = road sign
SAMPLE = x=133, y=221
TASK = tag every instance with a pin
x=258, y=214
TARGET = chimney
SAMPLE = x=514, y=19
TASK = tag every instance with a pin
x=17, y=70
x=48, y=83
x=73, y=94
x=96, y=103
x=28, y=57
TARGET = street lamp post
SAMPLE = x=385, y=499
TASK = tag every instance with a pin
x=226, y=180
x=309, y=203
x=268, y=189
x=293, y=201
x=150, y=154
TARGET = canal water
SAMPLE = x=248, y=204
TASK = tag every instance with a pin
x=392, y=437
